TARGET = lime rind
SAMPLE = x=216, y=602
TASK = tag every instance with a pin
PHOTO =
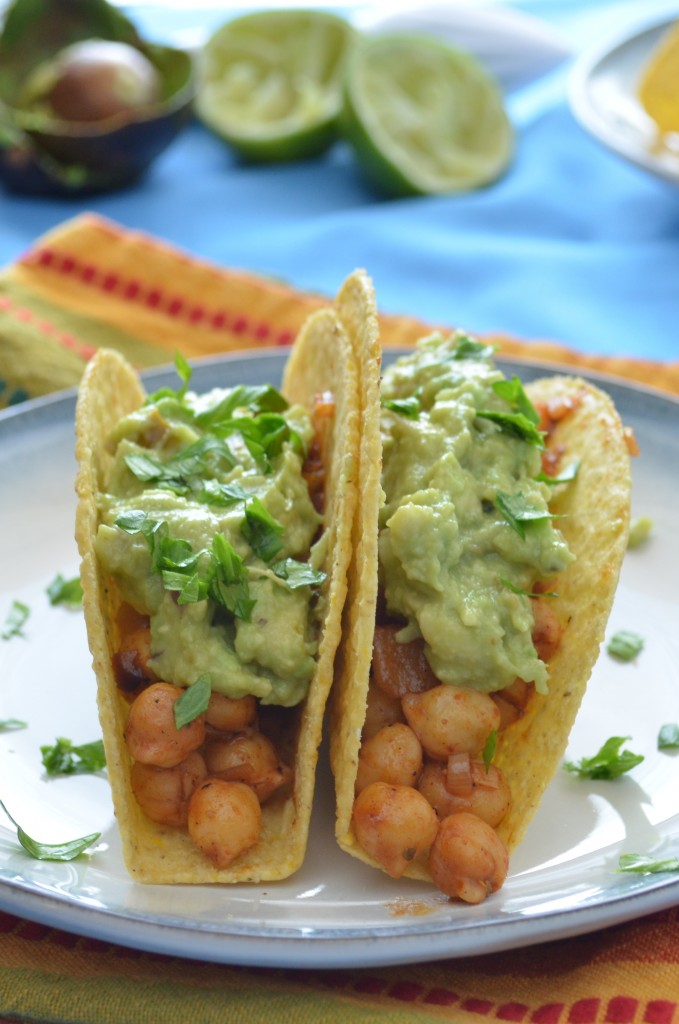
x=272, y=82
x=424, y=118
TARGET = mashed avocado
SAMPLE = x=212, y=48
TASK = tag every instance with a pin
x=465, y=530
x=207, y=527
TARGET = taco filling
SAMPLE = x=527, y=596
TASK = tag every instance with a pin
x=475, y=549
x=218, y=580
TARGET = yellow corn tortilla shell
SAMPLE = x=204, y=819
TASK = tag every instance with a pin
x=321, y=360
x=596, y=529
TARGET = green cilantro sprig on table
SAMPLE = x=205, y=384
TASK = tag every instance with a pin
x=644, y=865
x=65, y=758
x=51, y=851
x=15, y=620
x=610, y=762
x=10, y=724
x=668, y=737
x=625, y=645
x=65, y=591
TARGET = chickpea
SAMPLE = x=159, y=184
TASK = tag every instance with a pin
x=381, y=710
x=224, y=820
x=228, y=714
x=150, y=732
x=451, y=719
x=546, y=629
x=252, y=759
x=488, y=802
x=394, y=825
x=393, y=755
x=468, y=860
x=164, y=793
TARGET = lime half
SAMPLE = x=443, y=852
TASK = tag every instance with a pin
x=659, y=84
x=424, y=118
x=272, y=82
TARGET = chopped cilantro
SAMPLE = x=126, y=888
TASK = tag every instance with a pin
x=518, y=513
x=193, y=702
x=9, y=724
x=566, y=476
x=228, y=584
x=625, y=645
x=178, y=472
x=63, y=591
x=65, y=758
x=516, y=424
x=668, y=737
x=224, y=495
x=608, y=763
x=15, y=620
x=490, y=748
x=297, y=574
x=51, y=851
x=470, y=348
x=261, y=530
x=513, y=392
x=408, y=407
x=184, y=372
x=643, y=865
x=260, y=398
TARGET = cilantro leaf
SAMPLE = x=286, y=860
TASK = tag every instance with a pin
x=408, y=407
x=65, y=758
x=470, y=348
x=228, y=584
x=668, y=737
x=608, y=763
x=193, y=702
x=258, y=398
x=566, y=476
x=625, y=645
x=513, y=392
x=51, y=851
x=63, y=591
x=9, y=724
x=15, y=620
x=490, y=748
x=297, y=574
x=643, y=865
x=177, y=473
x=518, y=513
x=261, y=530
x=516, y=424
x=224, y=495
x=184, y=372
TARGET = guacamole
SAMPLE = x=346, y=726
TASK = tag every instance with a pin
x=208, y=528
x=465, y=530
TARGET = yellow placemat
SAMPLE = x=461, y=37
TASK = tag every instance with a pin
x=90, y=283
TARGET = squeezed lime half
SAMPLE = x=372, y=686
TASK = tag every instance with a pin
x=271, y=82
x=424, y=118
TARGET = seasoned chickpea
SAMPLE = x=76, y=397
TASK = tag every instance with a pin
x=468, y=860
x=489, y=802
x=381, y=710
x=164, y=793
x=546, y=629
x=150, y=732
x=224, y=820
x=451, y=719
x=252, y=759
x=228, y=714
x=394, y=825
x=393, y=755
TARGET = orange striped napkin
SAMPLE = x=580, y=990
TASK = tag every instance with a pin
x=92, y=283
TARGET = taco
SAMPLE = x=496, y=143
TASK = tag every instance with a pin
x=492, y=539
x=215, y=538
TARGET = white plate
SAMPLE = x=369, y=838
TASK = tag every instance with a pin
x=335, y=911
x=603, y=98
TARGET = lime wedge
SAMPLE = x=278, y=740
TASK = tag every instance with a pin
x=424, y=118
x=659, y=84
x=271, y=82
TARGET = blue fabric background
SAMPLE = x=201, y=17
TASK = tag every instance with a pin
x=573, y=244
